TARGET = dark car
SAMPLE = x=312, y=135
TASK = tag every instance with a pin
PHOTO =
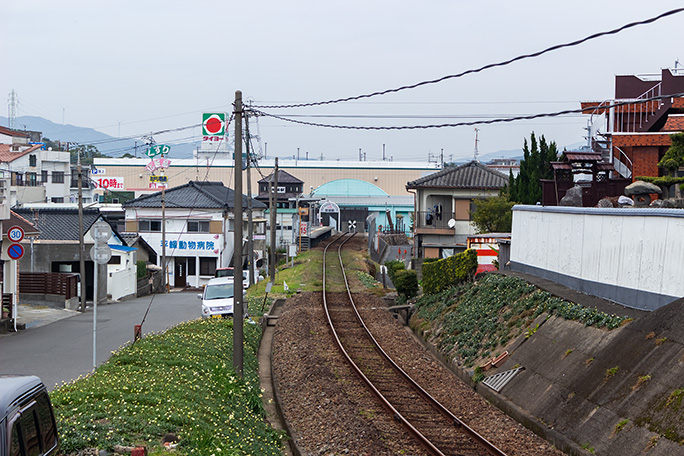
x=27, y=423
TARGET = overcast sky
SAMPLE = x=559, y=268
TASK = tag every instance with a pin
x=131, y=67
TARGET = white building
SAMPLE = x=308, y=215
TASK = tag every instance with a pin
x=37, y=175
x=195, y=233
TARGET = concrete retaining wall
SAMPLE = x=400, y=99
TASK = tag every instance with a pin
x=630, y=256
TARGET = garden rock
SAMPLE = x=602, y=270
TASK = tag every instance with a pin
x=573, y=197
x=642, y=188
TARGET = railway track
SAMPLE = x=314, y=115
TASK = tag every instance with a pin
x=431, y=424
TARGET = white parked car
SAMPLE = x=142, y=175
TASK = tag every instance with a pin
x=217, y=297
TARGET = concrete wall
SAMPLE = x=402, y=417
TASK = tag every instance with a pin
x=630, y=256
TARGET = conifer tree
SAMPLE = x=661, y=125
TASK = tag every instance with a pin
x=526, y=188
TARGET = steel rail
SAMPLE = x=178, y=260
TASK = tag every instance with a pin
x=488, y=446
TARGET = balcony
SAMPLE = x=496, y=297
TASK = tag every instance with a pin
x=428, y=222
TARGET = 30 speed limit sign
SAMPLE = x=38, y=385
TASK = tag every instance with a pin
x=15, y=234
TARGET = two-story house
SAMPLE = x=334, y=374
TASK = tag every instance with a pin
x=191, y=227
x=443, y=204
x=37, y=174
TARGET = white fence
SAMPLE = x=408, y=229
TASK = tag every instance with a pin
x=122, y=284
x=631, y=256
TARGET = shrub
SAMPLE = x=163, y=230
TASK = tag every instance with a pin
x=392, y=267
x=406, y=283
x=141, y=269
x=443, y=274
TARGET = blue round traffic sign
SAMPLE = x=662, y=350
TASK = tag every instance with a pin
x=15, y=251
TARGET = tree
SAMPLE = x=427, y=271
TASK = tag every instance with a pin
x=536, y=164
x=492, y=215
x=88, y=153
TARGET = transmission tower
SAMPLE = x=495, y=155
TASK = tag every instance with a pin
x=12, y=102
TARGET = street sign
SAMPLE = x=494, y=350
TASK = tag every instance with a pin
x=101, y=232
x=352, y=225
x=100, y=254
x=302, y=228
x=15, y=251
x=15, y=234
x=158, y=149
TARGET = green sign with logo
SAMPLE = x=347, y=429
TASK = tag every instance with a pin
x=158, y=149
x=214, y=124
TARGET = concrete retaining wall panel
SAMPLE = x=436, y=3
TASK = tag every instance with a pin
x=626, y=255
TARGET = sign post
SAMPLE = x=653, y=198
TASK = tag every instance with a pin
x=100, y=253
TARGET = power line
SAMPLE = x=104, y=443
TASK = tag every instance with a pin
x=486, y=67
x=464, y=124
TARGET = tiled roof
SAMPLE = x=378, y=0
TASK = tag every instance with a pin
x=21, y=222
x=283, y=178
x=59, y=224
x=469, y=175
x=7, y=131
x=7, y=156
x=194, y=194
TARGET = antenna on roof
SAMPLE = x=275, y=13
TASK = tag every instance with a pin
x=476, y=153
x=676, y=65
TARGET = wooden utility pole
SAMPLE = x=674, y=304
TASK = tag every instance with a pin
x=250, y=229
x=274, y=203
x=81, y=244
x=237, y=250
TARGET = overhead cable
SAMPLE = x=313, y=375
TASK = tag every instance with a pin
x=465, y=124
x=486, y=67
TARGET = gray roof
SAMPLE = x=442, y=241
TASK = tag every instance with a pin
x=194, y=194
x=469, y=175
x=283, y=178
x=59, y=224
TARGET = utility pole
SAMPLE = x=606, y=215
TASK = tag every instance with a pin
x=273, y=200
x=81, y=244
x=237, y=250
x=476, y=153
x=250, y=229
x=163, y=227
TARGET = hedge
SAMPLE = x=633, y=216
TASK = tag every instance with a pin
x=445, y=273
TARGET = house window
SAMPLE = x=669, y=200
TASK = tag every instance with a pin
x=191, y=267
x=43, y=176
x=31, y=179
x=57, y=199
x=149, y=225
x=207, y=266
x=114, y=260
x=198, y=226
x=462, y=209
x=58, y=177
x=19, y=178
x=281, y=189
x=32, y=160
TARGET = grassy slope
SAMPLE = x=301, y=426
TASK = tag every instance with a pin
x=183, y=382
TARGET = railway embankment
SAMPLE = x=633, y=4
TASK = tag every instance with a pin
x=586, y=386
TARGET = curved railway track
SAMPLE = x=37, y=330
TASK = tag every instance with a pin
x=430, y=423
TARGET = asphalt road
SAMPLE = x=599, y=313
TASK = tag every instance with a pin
x=61, y=351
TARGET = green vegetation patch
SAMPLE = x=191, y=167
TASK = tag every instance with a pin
x=475, y=319
x=181, y=381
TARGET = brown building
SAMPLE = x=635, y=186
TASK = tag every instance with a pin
x=632, y=130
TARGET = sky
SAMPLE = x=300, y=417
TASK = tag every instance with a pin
x=129, y=68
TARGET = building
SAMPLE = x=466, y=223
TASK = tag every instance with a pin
x=288, y=192
x=635, y=135
x=133, y=175
x=37, y=175
x=192, y=227
x=57, y=249
x=443, y=203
